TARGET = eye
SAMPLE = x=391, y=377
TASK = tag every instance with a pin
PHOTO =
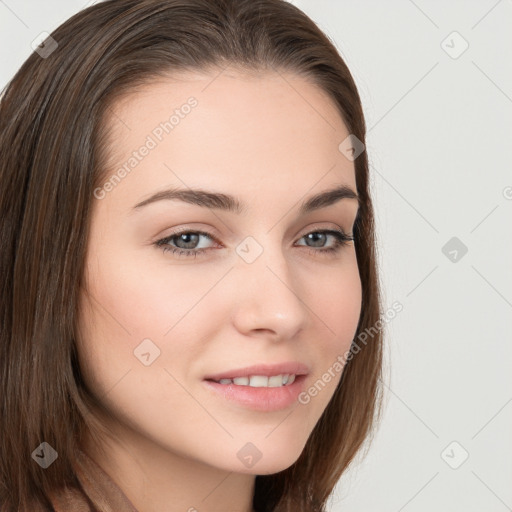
x=341, y=239
x=185, y=243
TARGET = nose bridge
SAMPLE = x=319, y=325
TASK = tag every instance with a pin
x=268, y=296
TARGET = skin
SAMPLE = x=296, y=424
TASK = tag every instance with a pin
x=271, y=140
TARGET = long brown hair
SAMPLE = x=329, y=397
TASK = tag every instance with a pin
x=52, y=148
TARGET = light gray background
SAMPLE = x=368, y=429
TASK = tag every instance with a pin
x=439, y=144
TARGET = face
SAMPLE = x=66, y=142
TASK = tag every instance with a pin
x=176, y=292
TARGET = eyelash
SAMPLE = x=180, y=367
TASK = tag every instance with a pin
x=341, y=240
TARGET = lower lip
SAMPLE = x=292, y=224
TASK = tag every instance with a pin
x=262, y=399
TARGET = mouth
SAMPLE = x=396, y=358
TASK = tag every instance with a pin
x=260, y=375
x=259, y=381
x=259, y=393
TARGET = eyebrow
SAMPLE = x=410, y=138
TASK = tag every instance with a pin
x=228, y=203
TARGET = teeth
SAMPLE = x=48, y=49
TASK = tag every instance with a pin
x=261, y=381
x=275, y=381
x=258, y=381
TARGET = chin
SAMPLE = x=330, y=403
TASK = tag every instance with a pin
x=271, y=465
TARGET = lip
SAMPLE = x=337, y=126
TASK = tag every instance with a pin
x=259, y=399
x=263, y=369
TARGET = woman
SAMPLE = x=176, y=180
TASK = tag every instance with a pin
x=188, y=261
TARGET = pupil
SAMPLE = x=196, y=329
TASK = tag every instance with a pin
x=321, y=239
x=183, y=237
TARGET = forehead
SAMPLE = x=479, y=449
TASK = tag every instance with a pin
x=244, y=129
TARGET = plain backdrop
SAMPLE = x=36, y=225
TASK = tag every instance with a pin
x=436, y=83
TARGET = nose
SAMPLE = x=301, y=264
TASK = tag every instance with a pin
x=270, y=299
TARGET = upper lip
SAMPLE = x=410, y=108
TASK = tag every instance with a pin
x=267, y=370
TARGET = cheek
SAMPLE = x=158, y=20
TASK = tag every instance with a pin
x=142, y=298
x=336, y=303
x=133, y=301
x=336, y=298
